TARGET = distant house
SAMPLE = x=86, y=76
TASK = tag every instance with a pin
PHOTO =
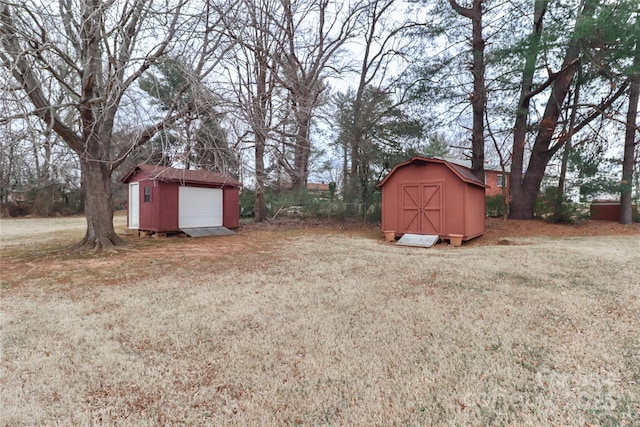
x=164, y=199
x=319, y=187
x=495, y=179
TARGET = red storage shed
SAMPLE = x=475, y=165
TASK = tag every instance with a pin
x=608, y=210
x=164, y=199
x=435, y=197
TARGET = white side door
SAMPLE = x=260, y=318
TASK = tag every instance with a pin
x=134, y=205
x=199, y=207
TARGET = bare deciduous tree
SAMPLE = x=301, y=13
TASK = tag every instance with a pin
x=93, y=52
x=372, y=113
x=284, y=50
x=478, y=97
x=314, y=33
x=252, y=69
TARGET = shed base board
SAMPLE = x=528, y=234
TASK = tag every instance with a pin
x=207, y=231
x=419, y=240
x=472, y=236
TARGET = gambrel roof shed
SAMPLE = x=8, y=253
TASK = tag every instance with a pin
x=164, y=199
x=433, y=196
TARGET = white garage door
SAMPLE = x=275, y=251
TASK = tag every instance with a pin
x=199, y=207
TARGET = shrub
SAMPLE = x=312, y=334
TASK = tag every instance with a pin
x=322, y=205
x=569, y=212
x=247, y=199
x=495, y=206
x=16, y=209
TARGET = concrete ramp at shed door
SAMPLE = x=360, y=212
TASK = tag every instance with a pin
x=418, y=240
x=207, y=231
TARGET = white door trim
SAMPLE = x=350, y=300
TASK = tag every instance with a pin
x=134, y=205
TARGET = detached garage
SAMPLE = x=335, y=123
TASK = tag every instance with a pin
x=164, y=199
x=433, y=197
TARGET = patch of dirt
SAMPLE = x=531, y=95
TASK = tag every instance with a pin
x=312, y=224
x=253, y=243
x=499, y=230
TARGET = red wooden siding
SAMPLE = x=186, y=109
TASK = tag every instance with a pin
x=231, y=205
x=421, y=208
x=608, y=211
x=160, y=213
x=432, y=196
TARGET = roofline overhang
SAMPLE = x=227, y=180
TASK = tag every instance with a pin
x=449, y=165
x=136, y=168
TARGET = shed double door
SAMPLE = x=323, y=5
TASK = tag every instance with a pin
x=421, y=208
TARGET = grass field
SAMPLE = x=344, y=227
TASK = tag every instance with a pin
x=318, y=327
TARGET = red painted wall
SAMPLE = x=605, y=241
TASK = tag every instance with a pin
x=492, y=183
x=608, y=211
x=475, y=212
x=231, y=207
x=160, y=214
x=462, y=206
x=166, y=208
x=148, y=210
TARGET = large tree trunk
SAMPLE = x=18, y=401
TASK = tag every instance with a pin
x=525, y=191
x=259, y=205
x=626, y=207
x=100, y=235
x=558, y=209
x=302, y=152
x=542, y=154
x=259, y=111
x=479, y=95
x=75, y=64
x=522, y=113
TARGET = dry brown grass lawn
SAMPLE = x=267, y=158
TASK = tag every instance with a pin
x=317, y=327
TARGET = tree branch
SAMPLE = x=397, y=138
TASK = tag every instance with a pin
x=22, y=71
x=466, y=12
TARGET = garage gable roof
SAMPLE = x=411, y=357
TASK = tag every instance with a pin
x=183, y=176
x=460, y=171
